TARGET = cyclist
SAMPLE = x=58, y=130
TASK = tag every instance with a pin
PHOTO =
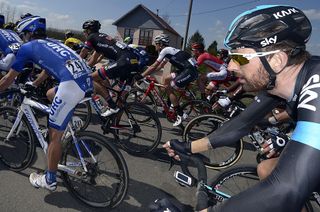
x=124, y=67
x=9, y=45
x=217, y=69
x=186, y=70
x=268, y=53
x=74, y=81
x=72, y=42
x=223, y=55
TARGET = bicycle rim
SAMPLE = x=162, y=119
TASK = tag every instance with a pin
x=106, y=182
x=18, y=151
x=218, y=158
x=235, y=180
x=138, y=137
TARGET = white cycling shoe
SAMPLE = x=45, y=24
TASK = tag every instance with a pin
x=39, y=181
x=109, y=112
x=180, y=119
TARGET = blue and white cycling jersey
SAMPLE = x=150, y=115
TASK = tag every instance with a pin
x=57, y=59
x=9, y=41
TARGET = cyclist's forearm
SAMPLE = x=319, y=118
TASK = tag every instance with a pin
x=200, y=145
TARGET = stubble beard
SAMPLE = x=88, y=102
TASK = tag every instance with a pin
x=258, y=81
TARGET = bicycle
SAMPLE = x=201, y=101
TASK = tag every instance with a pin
x=227, y=183
x=87, y=158
x=224, y=157
x=151, y=97
x=136, y=128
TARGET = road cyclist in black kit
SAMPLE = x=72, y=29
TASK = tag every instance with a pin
x=186, y=70
x=124, y=61
x=267, y=46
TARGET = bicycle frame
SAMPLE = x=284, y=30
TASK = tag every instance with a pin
x=25, y=109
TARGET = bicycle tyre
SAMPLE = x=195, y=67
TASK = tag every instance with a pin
x=11, y=153
x=135, y=95
x=202, y=126
x=138, y=137
x=84, y=112
x=193, y=109
x=98, y=144
x=225, y=181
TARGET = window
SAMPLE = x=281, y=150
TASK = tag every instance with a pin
x=128, y=33
x=145, y=38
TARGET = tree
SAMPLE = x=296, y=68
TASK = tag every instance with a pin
x=196, y=37
x=212, y=49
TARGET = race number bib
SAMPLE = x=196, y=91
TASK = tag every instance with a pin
x=77, y=68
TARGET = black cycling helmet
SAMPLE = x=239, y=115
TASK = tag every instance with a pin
x=69, y=34
x=267, y=25
x=92, y=25
x=9, y=25
x=1, y=21
x=25, y=15
x=223, y=53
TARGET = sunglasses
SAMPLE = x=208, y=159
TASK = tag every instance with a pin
x=243, y=59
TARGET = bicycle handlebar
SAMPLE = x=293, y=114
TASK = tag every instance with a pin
x=197, y=161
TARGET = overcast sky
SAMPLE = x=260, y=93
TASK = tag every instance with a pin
x=210, y=17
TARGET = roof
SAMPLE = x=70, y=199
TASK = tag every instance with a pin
x=156, y=18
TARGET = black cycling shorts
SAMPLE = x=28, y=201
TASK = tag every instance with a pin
x=185, y=77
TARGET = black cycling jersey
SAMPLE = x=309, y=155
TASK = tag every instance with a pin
x=179, y=59
x=296, y=174
x=102, y=43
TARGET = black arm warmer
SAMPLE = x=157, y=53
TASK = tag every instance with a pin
x=234, y=129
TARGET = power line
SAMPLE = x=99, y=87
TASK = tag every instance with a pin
x=217, y=10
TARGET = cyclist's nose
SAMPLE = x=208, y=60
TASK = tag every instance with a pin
x=234, y=66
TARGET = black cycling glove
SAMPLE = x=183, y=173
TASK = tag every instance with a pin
x=180, y=146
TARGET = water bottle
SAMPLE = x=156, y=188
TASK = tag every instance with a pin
x=98, y=101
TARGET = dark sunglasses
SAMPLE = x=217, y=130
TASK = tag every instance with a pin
x=243, y=59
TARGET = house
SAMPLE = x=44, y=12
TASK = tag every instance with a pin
x=143, y=25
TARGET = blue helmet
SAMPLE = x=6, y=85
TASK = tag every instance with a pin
x=34, y=24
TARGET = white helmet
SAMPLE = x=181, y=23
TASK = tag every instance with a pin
x=163, y=38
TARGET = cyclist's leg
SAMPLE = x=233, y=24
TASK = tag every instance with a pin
x=265, y=168
x=201, y=81
x=180, y=81
x=287, y=188
x=68, y=95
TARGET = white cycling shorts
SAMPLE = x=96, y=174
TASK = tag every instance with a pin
x=68, y=95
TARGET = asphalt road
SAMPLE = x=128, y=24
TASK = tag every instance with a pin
x=150, y=178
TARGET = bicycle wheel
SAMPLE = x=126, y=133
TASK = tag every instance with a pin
x=138, y=137
x=105, y=184
x=84, y=112
x=218, y=158
x=237, y=179
x=194, y=108
x=18, y=151
x=137, y=95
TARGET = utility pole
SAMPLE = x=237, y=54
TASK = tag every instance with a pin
x=187, y=27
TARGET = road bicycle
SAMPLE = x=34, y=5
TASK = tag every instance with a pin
x=136, y=128
x=151, y=96
x=93, y=170
x=226, y=184
x=226, y=156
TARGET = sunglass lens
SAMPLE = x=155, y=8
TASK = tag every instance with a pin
x=240, y=59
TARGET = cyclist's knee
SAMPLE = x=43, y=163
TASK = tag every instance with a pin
x=265, y=168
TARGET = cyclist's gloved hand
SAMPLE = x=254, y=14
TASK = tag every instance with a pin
x=180, y=146
x=275, y=144
x=162, y=205
x=202, y=198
